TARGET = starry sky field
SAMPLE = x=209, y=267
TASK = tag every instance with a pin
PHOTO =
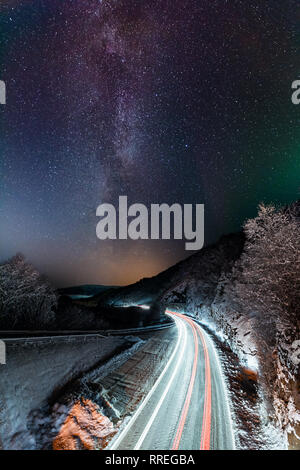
x=160, y=100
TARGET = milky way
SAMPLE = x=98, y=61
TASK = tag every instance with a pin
x=159, y=100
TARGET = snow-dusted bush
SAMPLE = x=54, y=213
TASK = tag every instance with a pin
x=268, y=273
x=26, y=298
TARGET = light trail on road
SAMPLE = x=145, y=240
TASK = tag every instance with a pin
x=206, y=423
x=187, y=407
x=188, y=397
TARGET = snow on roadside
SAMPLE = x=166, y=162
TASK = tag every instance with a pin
x=111, y=392
x=37, y=370
x=96, y=419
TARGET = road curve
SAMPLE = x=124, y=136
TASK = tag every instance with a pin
x=187, y=408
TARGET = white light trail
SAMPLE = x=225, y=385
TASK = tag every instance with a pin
x=157, y=408
x=181, y=330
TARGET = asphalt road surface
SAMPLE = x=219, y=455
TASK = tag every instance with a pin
x=187, y=408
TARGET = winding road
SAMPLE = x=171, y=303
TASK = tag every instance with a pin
x=187, y=407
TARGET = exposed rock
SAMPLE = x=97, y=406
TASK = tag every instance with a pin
x=85, y=428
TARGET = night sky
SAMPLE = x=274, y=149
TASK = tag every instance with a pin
x=160, y=100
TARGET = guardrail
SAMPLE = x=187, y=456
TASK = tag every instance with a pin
x=30, y=336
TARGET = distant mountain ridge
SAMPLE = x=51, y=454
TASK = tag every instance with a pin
x=85, y=290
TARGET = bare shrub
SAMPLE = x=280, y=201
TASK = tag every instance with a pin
x=267, y=277
x=26, y=298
